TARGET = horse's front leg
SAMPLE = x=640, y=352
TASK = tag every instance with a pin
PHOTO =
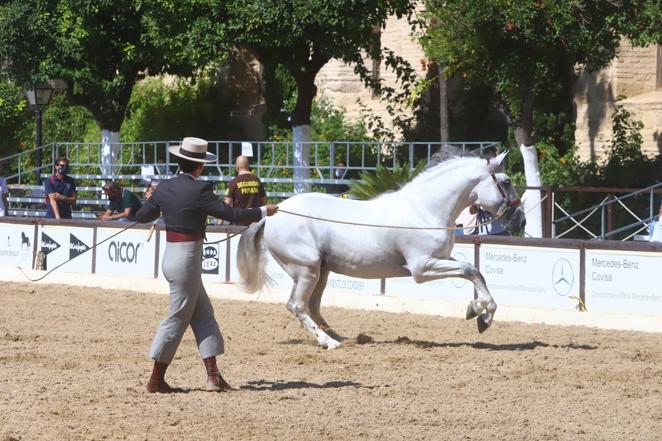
x=433, y=268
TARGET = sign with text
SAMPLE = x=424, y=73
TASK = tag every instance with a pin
x=448, y=290
x=16, y=245
x=623, y=282
x=127, y=254
x=531, y=276
x=66, y=244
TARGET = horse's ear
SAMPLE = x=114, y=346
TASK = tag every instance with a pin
x=498, y=161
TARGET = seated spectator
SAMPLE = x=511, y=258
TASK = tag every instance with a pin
x=123, y=203
x=494, y=227
x=339, y=172
x=655, y=228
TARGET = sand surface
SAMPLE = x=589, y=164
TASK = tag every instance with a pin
x=73, y=365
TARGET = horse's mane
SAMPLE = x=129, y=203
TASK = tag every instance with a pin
x=443, y=162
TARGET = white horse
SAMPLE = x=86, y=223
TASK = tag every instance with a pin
x=408, y=232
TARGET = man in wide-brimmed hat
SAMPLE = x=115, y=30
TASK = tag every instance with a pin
x=185, y=202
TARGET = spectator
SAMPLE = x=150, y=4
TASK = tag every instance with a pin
x=494, y=227
x=339, y=172
x=4, y=192
x=60, y=191
x=123, y=204
x=655, y=228
x=245, y=190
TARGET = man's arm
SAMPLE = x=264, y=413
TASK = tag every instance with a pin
x=150, y=211
x=229, y=201
x=106, y=215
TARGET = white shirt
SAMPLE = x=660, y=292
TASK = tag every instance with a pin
x=3, y=191
x=655, y=229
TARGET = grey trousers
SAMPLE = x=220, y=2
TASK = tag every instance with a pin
x=189, y=305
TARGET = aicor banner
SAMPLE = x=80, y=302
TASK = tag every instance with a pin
x=130, y=253
x=531, y=276
x=623, y=282
x=66, y=244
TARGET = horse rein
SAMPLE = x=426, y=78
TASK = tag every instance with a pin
x=507, y=202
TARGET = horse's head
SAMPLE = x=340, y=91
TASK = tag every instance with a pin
x=495, y=194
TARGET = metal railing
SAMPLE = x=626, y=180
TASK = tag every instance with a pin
x=271, y=160
x=621, y=214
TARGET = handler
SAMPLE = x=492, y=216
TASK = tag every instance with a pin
x=185, y=203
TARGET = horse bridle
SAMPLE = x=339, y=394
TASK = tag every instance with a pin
x=507, y=202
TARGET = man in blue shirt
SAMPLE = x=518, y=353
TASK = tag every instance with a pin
x=60, y=191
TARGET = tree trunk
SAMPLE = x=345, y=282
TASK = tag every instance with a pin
x=306, y=91
x=110, y=150
x=444, y=125
x=523, y=130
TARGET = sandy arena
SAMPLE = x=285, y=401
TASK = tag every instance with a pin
x=73, y=365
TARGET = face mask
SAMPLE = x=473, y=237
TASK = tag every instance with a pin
x=63, y=169
x=339, y=174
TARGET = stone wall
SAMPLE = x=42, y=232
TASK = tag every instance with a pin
x=338, y=81
x=631, y=81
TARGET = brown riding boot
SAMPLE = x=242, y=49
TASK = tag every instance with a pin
x=215, y=382
x=157, y=382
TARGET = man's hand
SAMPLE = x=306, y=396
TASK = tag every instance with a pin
x=271, y=209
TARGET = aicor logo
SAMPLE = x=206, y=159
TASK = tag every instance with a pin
x=126, y=252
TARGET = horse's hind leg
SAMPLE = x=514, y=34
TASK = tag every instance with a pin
x=316, y=299
x=304, y=285
x=314, y=305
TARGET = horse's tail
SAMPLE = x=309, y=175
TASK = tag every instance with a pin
x=252, y=259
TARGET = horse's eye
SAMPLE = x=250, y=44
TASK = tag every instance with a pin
x=507, y=182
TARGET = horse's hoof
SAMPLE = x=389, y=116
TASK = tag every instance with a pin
x=332, y=344
x=482, y=325
x=470, y=312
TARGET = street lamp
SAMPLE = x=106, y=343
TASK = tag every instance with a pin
x=39, y=96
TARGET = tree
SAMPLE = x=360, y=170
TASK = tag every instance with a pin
x=101, y=48
x=521, y=49
x=302, y=36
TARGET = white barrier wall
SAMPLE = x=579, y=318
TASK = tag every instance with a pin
x=531, y=276
x=623, y=282
x=536, y=275
x=16, y=245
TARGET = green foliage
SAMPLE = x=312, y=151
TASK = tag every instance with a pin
x=374, y=183
x=304, y=35
x=626, y=166
x=64, y=122
x=102, y=48
x=13, y=118
x=179, y=108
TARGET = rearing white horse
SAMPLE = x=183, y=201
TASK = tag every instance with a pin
x=408, y=232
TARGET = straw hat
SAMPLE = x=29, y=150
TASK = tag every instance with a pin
x=193, y=149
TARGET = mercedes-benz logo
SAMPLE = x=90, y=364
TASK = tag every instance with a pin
x=563, y=277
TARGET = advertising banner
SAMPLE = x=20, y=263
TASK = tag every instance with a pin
x=61, y=244
x=213, y=257
x=623, y=282
x=531, y=276
x=448, y=290
x=16, y=245
x=127, y=254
